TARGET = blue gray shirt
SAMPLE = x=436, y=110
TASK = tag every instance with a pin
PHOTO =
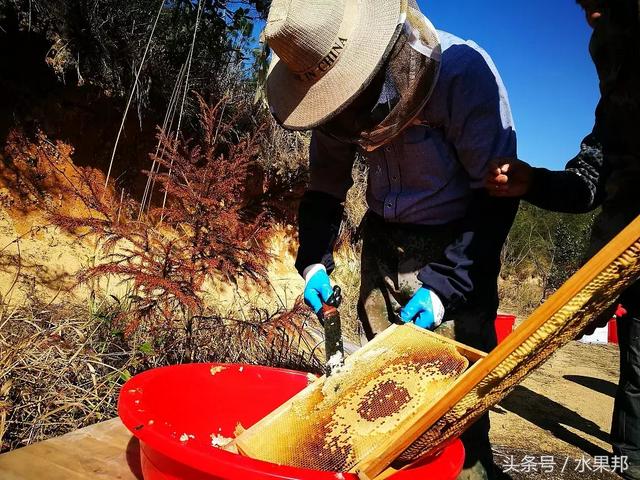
x=425, y=176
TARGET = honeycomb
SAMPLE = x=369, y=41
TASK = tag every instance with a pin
x=337, y=421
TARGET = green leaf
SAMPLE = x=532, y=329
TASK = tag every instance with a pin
x=125, y=375
x=146, y=348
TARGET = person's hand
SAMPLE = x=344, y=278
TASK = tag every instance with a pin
x=508, y=177
x=317, y=286
x=425, y=308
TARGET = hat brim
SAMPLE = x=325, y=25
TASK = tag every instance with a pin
x=300, y=105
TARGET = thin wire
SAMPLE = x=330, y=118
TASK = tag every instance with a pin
x=184, y=98
x=166, y=127
x=164, y=148
x=133, y=90
x=161, y=147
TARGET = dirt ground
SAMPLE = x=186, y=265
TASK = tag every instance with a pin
x=555, y=424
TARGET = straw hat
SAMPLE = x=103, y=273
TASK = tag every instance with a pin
x=324, y=53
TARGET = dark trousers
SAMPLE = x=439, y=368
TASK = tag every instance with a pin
x=620, y=208
x=625, y=429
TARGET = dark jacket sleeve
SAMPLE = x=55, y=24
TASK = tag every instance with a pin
x=319, y=220
x=321, y=209
x=471, y=264
x=578, y=188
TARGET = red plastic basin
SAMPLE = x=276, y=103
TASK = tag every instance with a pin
x=162, y=405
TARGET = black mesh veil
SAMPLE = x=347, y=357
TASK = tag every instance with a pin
x=398, y=92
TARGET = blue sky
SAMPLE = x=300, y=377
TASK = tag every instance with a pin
x=541, y=50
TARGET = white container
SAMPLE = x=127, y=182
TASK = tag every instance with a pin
x=601, y=335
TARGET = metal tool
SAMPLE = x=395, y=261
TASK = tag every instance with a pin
x=330, y=319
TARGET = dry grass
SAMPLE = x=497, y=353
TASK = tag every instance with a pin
x=520, y=296
x=284, y=153
x=349, y=246
x=347, y=275
x=356, y=204
x=283, y=160
x=61, y=366
x=58, y=372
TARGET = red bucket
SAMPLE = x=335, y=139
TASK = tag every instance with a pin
x=504, y=326
x=613, y=331
x=174, y=411
x=613, y=324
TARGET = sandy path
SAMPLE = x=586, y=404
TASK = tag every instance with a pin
x=563, y=409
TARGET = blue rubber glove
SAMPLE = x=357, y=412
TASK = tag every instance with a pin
x=425, y=308
x=317, y=287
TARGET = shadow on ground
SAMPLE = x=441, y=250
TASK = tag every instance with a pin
x=596, y=384
x=555, y=418
x=133, y=458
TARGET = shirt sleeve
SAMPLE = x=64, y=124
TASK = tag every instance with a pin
x=480, y=121
x=330, y=164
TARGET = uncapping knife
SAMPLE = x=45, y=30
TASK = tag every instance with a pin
x=330, y=319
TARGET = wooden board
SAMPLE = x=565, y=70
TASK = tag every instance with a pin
x=106, y=451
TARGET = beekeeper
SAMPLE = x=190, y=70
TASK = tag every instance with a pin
x=428, y=111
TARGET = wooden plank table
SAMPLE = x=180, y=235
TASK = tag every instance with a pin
x=106, y=450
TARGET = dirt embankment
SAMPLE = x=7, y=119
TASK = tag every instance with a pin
x=37, y=177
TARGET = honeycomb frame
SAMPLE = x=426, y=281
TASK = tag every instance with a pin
x=335, y=422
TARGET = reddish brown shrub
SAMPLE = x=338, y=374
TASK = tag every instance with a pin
x=202, y=232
